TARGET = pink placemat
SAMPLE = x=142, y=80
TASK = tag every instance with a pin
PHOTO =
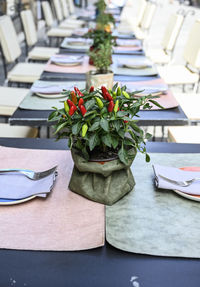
x=83, y=68
x=166, y=100
x=62, y=221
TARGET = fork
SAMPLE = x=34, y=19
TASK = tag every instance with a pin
x=181, y=183
x=29, y=173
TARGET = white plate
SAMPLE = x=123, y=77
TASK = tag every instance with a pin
x=66, y=64
x=50, y=96
x=15, y=201
x=186, y=195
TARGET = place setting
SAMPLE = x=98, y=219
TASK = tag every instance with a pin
x=80, y=44
x=44, y=95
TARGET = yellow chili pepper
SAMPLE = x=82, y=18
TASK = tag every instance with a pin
x=99, y=103
x=114, y=95
x=119, y=92
x=116, y=106
x=84, y=130
x=66, y=107
x=126, y=95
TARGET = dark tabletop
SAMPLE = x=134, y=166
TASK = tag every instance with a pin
x=104, y=266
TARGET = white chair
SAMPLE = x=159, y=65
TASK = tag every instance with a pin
x=185, y=134
x=142, y=30
x=21, y=72
x=190, y=103
x=53, y=32
x=164, y=54
x=37, y=53
x=10, y=98
x=65, y=23
x=8, y=131
x=129, y=23
x=188, y=73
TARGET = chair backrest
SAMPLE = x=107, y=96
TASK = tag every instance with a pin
x=147, y=18
x=58, y=10
x=48, y=15
x=8, y=38
x=192, y=48
x=71, y=6
x=172, y=31
x=143, y=5
x=29, y=27
x=128, y=12
x=65, y=8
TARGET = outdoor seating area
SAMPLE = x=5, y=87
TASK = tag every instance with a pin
x=99, y=143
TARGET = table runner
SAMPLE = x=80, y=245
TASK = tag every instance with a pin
x=63, y=221
x=152, y=221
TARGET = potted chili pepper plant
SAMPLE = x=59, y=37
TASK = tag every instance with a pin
x=104, y=137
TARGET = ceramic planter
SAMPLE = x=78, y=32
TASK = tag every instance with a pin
x=104, y=182
x=98, y=80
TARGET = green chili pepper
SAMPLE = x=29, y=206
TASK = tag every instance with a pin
x=66, y=107
x=119, y=91
x=99, y=103
x=116, y=106
x=84, y=130
x=114, y=95
x=126, y=95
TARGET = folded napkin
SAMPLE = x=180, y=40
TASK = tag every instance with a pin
x=78, y=41
x=62, y=59
x=18, y=186
x=128, y=43
x=135, y=63
x=148, y=89
x=80, y=31
x=177, y=174
x=50, y=88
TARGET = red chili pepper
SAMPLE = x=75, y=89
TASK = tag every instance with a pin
x=83, y=110
x=78, y=92
x=80, y=102
x=91, y=89
x=125, y=122
x=104, y=92
x=109, y=97
x=111, y=106
x=74, y=98
x=70, y=103
x=72, y=110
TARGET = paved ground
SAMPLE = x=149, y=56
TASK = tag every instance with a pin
x=163, y=12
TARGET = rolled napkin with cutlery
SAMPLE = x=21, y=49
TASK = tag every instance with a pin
x=19, y=184
x=176, y=179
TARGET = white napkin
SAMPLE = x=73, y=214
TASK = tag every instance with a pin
x=136, y=63
x=148, y=89
x=82, y=41
x=177, y=174
x=18, y=186
x=66, y=59
x=48, y=88
x=127, y=42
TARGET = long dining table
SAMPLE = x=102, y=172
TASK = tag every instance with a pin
x=103, y=266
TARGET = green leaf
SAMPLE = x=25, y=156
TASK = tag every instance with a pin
x=121, y=114
x=90, y=113
x=93, y=141
x=76, y=128
x=70, y=141
x=104, y=124
x=94, y=127
x=117, y=125
x=156, y=104
x=53, y=115
x=148, y=136
x=114, y=87
x=121, y=133
x=61, y=126
x=115, y=141
x=89, y=104
x=106, y=139
x=123, y=155
x=128, y=141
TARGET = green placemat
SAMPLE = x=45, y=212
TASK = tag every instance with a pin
x=152, y=221
x=152, y=71
x=34, y=102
